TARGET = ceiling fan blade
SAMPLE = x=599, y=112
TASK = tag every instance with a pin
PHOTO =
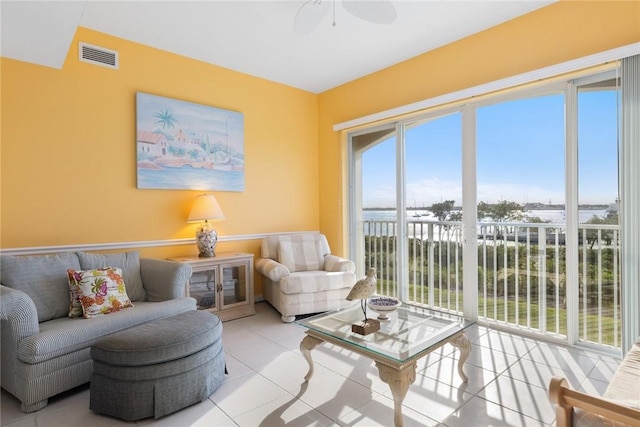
x=309, y=16
x=376, y=11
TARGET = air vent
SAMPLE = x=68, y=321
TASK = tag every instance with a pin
x=98, y=56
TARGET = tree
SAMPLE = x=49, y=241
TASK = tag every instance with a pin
x=536, y=220
x=442, y=210
x=165, y=119
x=193, y=154
x=501, y=211
x=455, y=216
x=606, y=235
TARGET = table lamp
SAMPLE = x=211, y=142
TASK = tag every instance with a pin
x=206, y=208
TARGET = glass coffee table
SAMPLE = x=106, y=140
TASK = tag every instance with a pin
x=410, y=333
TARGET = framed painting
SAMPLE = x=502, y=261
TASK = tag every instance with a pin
x=185, y=146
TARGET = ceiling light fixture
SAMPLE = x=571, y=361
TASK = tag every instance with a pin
x=312, y=12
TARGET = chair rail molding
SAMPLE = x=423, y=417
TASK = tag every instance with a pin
x=39, y=250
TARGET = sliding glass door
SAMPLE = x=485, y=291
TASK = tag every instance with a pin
x=503, y=209
x=522, y=212
x=373, y=205
x=598, y=242
x=433, y=198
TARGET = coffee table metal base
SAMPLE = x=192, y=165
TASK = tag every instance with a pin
x=399, y=376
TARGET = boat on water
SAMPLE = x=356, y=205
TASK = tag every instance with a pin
x=222, y=159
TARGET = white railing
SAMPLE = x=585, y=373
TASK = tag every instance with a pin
x=521, y=277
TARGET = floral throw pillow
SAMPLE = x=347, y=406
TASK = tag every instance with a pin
x=100, y=291
x=75, y=307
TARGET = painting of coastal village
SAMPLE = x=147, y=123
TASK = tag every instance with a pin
x=186, y=146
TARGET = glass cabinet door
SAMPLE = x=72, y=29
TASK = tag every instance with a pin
x=234, y=284
x=222, y=284
x=202, y=287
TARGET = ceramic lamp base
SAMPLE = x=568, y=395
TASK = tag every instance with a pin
x=206, y=239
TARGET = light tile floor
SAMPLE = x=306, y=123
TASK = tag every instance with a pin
x=508, y=378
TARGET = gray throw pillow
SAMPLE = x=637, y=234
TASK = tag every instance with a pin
x=128, y=262
x=43, y=278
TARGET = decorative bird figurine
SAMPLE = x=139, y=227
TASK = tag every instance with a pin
x=363, y=289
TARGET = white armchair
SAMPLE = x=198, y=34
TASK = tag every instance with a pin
x=300, y=276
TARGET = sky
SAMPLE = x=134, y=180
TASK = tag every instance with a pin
x=520, y=155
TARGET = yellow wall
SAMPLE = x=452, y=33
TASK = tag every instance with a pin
x=557, y=33
x=68, y=136
x=69, y=151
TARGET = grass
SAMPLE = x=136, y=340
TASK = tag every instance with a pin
x=556, y=319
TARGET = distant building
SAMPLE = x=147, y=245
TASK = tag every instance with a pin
x=152, y=143
x=181, y=137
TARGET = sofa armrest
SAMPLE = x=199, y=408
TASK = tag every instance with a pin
x=18, y=315
x=566, y=399
x=18, y=320
x=164, y=280
x=335, y=263
x=271, y=269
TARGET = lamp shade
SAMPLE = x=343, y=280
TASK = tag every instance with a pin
x=205, y=208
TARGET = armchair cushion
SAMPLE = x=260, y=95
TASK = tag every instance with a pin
x=314, y=282
x=43, y=278
x=270, y=244
x=623, y=387
x=302, y=255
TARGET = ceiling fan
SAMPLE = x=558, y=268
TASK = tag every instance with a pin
x=312, y=12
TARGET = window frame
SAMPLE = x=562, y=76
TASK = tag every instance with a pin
x=568, y=86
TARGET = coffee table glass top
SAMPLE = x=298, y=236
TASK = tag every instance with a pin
x=410, y=331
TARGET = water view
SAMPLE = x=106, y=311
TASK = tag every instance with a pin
x=553, y=216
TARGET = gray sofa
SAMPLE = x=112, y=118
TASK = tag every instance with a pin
x=44, y=351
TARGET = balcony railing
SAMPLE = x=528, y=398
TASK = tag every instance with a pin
x=522, y=277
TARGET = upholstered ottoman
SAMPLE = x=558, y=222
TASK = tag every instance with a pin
x=157, y=368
